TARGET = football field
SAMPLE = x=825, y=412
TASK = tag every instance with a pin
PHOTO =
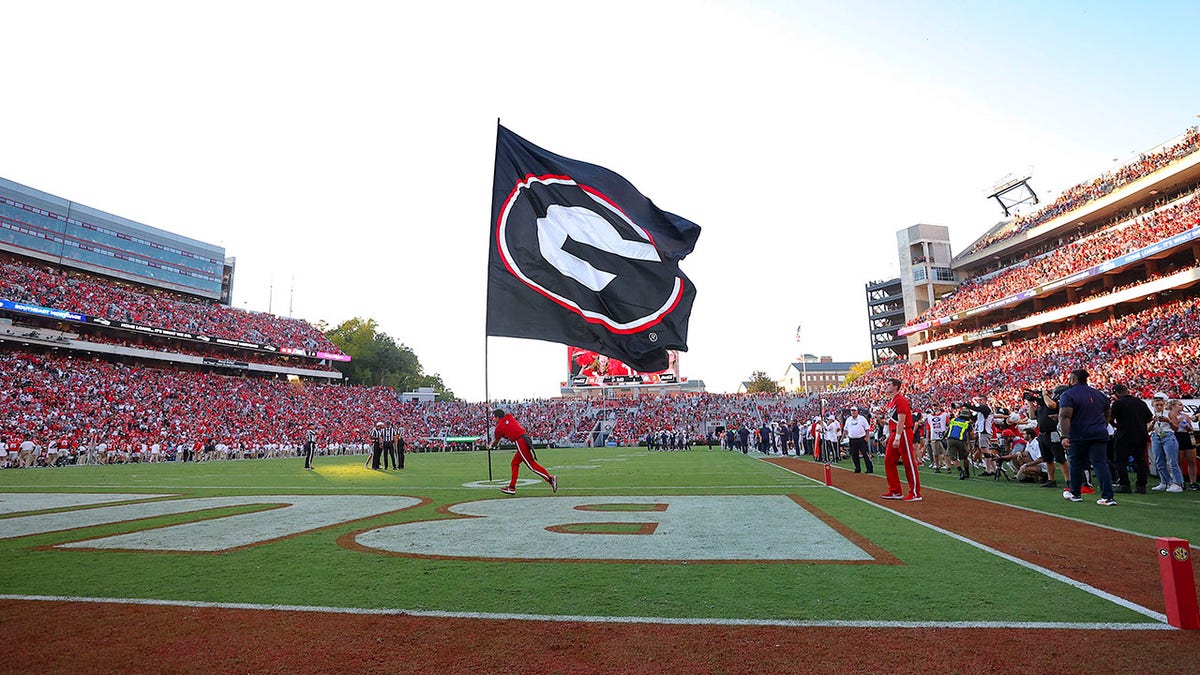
x=631, y=538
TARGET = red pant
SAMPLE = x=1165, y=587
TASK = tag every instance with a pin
x=525, y=454
x=904, y=453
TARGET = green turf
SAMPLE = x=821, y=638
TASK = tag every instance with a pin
x=1154, y=514
x=939, y=578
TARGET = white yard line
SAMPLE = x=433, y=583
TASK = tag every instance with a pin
x=1121, y=497
x=1054, y=492
x=681, y=621
x=1087, y=588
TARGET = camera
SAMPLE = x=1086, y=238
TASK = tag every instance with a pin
x=1031, y=394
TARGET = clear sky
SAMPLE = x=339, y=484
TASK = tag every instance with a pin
x=343, y=151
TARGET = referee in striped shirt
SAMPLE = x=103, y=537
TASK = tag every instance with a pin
x=310, y=448
x=383, y=438
x=390, y=434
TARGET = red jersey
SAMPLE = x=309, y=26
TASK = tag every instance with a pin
x=508, y=427
x=1012, y=436
x=895, y=408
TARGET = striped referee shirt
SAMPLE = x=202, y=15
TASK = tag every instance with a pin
x=385, y=434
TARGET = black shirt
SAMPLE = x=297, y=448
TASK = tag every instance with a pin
x=1130, y=416
x=1047, y=419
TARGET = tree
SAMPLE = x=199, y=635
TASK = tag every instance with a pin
x=376, y=359
x=759, y=384
x=857, y=370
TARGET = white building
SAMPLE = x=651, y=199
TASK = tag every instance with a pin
x=816, y=374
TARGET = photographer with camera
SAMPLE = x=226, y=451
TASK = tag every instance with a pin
x=1049, y=440
x=1033, y=468
x=1023, y=453
x=984, y=426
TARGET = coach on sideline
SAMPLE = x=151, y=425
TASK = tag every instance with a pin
x=1083, y=425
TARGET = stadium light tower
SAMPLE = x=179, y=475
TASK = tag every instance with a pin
x=1011, y=192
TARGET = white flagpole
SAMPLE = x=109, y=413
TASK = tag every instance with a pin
x=803, y=361
x=487, y=414
x=487, y=400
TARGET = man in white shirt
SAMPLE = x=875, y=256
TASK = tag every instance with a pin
x=27, y=453
x=1034, y=468
x=856, y=429
x=937, y=420
x=52, y=453
x=833, y=434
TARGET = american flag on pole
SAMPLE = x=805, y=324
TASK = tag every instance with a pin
x=797, y=332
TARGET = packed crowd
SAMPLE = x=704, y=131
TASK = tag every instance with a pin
x=1087, y=293
x=31, y=283
x=1157, y=349
x=216, y=352
x=70, y=403
x=1093, y=249
x=1079, y=195
x=67, y=402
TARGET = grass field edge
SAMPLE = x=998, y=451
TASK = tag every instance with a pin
x=1087, y=588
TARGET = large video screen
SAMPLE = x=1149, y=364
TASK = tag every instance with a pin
x=586, y=368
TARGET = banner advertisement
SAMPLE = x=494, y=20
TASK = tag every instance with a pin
x=226, y=363
x=294, y=351
x=65, y=315
x=38, y=310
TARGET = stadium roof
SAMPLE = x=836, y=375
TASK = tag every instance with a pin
x=828, y=366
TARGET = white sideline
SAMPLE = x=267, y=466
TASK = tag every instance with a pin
x=1087, y=588
x=581, y=618
x=1028, y=509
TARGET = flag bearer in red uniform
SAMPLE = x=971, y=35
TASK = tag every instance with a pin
x=508, y=428
x=899, y=446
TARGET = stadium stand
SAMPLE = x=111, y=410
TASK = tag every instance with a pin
x=59, y=288
x=1079, y=195
x=1115, y=294
x=1085, y=250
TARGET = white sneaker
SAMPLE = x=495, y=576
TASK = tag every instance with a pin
x=1175, y=487
x=1159, y=488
